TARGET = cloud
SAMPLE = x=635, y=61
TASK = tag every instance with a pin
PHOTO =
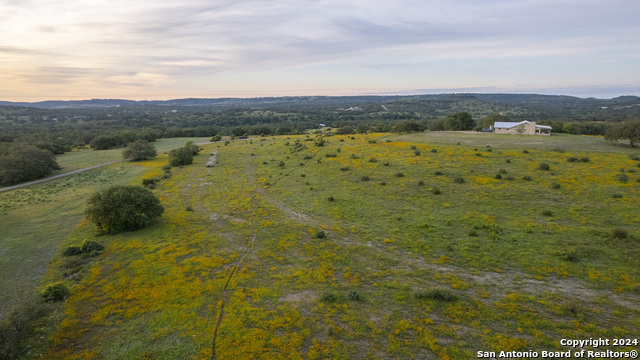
x=165, y=42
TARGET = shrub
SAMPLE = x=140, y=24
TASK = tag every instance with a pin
x=508, y=177
x=622, y=177
x=458, y=180
x=508, y=161
x=413, y=147
x=498, y=176
x=365, y=178
x=329, y=298
x=437, y=293
x=23, y=162
x=473, y=233
x=434, y=150
x=180, y=156
x=72, y=251
x=90, y=245
x=149, y=181
x=547, y=212
x=438, y=173
x=373, y=160
x=616, y=196
x=435, y=190
x=525, y=151
x=417, y=152
x=383, y=183
x=558, y=149
x=320, y=235
x=544, y=166
x=584, y=159
x=331, y=155
x=195, y=149
x=399, y=174
x=344, y=168
x=189, y=208
x=139, y=150
x=555, y=186
x=330, y=198
x=421, y=182
x=122, y=208
x=353, y=295
x=526, y=178
x=55, y=292
x=502, y=171
x=570, y=255
x=386, y=163
x=216, y=138
x=619, y=234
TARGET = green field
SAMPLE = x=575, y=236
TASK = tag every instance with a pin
x=369, y=247
x=80, y=159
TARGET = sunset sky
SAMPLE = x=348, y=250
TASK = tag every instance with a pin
x=160, y=49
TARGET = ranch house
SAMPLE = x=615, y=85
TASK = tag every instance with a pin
x=521, y=128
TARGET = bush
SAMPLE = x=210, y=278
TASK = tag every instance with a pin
x=399, y=174
x=547, y=212
x=353, y=295
x=216, y=138
x=373, y=160
x=90, y=245
x=543, y=166
x=417, y=152
x=365, y=178
x=55, y=292
x=344, y=168
x=498, y=176
x=438, y=173
x=619, y=234
x=584, y=159
x=435, y=191
x=386, y=163
x=329, y=298
x=195, y=149
x=139, y=150
x=72, y=251
x=622, y=177
x=23, y=162
x=555, y=186
x=180, y=156
x=320, y=235
x=434, y=150
x=458, y=180
x=123, y=208
x=527, y=178
x=421, y=182
x=149, y=182
x=437, y=293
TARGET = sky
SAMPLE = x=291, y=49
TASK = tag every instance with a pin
x=168, y=49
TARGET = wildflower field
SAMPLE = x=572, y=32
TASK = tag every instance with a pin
x=361, y=247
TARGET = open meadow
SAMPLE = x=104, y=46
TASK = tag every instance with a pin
x=343, y=247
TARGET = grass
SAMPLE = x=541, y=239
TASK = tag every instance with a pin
x=80, y=159
x=567, y=142
x=395, y=274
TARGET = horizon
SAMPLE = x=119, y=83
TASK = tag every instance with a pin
x=392, y=94
x=167, y=50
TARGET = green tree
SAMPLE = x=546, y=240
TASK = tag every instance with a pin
x=139, y=150
x=459, y=121
x=24, y=162
x=180, y=156
x=407, y=126
x=628, y=130
x=123, y=208
x=345, y=130
x=490, y=119
x=103, y=142
x=195, y=149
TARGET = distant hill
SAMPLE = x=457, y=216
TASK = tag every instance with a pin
x=510, y=99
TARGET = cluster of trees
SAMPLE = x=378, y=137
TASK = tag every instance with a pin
x=628, y=130
x=139, y=150
x=24, y=162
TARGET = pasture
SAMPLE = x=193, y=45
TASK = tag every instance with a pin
x=369, y=246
